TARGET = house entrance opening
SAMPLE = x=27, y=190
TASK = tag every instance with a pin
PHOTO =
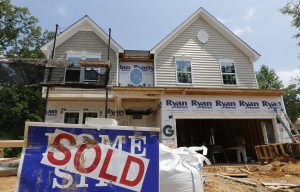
x=222, y=135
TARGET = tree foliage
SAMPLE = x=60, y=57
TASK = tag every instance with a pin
x=290, y=100
x=20, y=37
x=18, y=103
x=19, y=32
x=292, y=9
x=268, y=79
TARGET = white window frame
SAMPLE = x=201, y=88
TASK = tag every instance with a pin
x=74, y=54
x=184, y=59
x=221, y=73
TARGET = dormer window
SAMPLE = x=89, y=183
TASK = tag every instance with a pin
x=75, y=73
x=228, y=72
x=183, y=71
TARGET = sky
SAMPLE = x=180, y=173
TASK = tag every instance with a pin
x=141, y=24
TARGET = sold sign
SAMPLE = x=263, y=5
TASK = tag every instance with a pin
x=81, y=154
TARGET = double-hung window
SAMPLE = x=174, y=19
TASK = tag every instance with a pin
x=183, y=71
x=228, y=72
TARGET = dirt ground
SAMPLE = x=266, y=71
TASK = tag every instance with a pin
x=276, y=172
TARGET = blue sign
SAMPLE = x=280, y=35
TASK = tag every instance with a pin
x=82, y=158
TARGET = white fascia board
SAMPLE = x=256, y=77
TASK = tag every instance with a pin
x=46, y=49
x=201, y=12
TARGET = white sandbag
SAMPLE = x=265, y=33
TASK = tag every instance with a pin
x=181, y=169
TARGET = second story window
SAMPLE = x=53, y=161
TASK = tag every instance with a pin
x=75, y=61
x=91, y=73
x=228, y=72
x=184, y=71
x=75, y=73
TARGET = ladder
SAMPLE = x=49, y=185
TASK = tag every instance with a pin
x=286, y=122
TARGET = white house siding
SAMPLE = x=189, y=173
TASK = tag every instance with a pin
x=205, y=59
x=87, y=41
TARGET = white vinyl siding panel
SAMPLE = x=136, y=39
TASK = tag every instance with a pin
x=205, y=59
x=88, y=41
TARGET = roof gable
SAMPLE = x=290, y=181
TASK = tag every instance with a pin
x=201, y=12
x=83, y=24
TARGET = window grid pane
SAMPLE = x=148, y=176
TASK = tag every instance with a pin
x=75, y=61
x=88, y=114
x=71, y=118
x=183, y=66
x=184, y=77
x=229, y=79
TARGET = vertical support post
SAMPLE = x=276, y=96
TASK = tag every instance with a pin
x=50, y=73
x=108, y=48
x=106, y=98
x=106, y=89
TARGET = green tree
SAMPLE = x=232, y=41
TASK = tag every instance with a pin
x=19, y=32
x=18, y=103
x=290, y=99
x=292, y=9
x=20, y=37
x=268, y=79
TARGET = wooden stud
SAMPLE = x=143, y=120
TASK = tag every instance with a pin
x=282, y=149
x=1, y=153
x=11, y=143
x=276, y=150
x=237, y=180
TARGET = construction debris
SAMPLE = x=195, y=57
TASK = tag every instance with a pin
x=280, y=175
x=237, y=180
x=281, y=185
x=248, y=172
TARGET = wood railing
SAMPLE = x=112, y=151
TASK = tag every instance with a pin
x=9, y=144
